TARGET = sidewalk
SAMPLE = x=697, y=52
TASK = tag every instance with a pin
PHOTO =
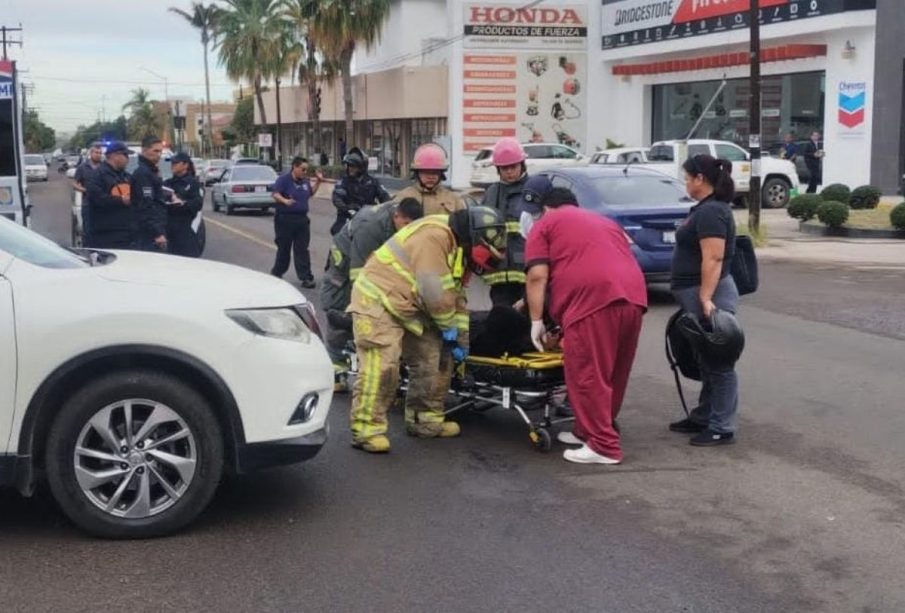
x=785, y=242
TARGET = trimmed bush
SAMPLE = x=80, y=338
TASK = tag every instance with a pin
x=836, y=192
x=897, y=217
x=804, y=207
x=865, y=197
x=833, y=213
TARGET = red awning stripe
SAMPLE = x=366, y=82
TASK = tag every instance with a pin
x=723, y=60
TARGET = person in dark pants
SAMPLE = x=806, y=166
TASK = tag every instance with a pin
x=188, y=198
x=291, y=192
x=355, y=190
x=82, y=175
x=701, y=283
x=507, y=285
x=813, y=159
x=150, y=204
x=110, y=201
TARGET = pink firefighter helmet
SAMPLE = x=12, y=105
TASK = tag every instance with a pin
x=508, y=152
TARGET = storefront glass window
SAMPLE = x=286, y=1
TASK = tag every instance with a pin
x=790, y=103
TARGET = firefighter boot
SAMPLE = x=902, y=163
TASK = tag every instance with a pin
x=375, y=444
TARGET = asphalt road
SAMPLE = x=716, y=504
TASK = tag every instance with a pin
x=805, y=513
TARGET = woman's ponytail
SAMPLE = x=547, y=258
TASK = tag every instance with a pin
x=717, y=172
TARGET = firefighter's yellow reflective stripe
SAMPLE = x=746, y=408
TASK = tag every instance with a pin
x=446, y=319
x=364, y=414
x=405, y=274
x=431, y=220
x=513, y=227
x=462, y=322
x=366, y=287
x=505, y=276
x=447, y=282
x=354, y=272
x=458, y=263
x=337, y=256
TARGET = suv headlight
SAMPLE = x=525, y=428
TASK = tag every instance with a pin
x=284, y=323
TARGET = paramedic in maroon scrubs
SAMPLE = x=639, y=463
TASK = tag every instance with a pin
x=581, y=262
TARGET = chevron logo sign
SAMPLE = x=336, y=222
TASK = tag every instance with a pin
x=852, y=103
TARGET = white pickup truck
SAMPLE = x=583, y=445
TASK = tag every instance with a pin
x=779, y=177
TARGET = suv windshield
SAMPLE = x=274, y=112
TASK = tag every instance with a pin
x=639, y=190
x=33, y=248
x=253, y=173
x=34, y=160
x=166, y=169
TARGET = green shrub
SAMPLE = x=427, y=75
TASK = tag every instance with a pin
x=865, y=197
x=897, y=216
x=836, y=192
x=804, y=206
x=833, y=213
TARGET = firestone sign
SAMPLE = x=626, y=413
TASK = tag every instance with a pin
x=507, y=26
x=637, y=22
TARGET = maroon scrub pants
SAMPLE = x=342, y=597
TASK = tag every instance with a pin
x=598, y=352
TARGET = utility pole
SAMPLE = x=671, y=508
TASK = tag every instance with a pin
x=6, y=41
x=754, y=193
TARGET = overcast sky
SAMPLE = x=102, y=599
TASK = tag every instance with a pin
x=84, y=56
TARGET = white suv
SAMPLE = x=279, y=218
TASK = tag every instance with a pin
x=133, y=380
x=540, y=155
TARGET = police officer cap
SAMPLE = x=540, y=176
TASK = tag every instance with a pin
x=533, y=193
x=118, y=147
x=181, y=157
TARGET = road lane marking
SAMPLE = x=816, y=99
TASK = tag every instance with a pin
x=242, y=233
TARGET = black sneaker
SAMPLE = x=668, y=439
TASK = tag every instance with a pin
x=309, y=284
x=709, y=438
x=686, y=426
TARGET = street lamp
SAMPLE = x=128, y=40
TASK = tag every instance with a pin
x=166, y=96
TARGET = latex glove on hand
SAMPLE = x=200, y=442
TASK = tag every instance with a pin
x=538, y=333
x=459, y=354
x=450, y=335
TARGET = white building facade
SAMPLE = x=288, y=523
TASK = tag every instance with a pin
x=580, y=72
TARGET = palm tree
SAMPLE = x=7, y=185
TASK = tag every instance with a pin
x=338, y=27
x=313, y=68
x=286, y=58
x=248, y=33
x=203, y=18
x=143, y=120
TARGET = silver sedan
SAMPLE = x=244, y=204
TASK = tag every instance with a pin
x=245, y=187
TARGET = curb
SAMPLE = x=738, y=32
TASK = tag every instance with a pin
x=817, y=229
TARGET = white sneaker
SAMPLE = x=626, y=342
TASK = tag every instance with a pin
x=567, y=438
x=586, y=455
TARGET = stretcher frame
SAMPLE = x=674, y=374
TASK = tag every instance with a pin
x=477, y=396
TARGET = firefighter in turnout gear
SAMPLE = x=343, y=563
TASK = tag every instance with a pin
x=351, y=248
x=429, y=168
x=507, y=285
x=355, y=190
x=409, y=302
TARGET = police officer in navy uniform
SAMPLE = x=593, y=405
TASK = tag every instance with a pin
x=111, y=202
x=186, y=202
x=291, y=192
x=356, y=189
x=150, y=203
x=82, y=176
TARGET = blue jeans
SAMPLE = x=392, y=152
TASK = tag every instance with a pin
x=718, y=403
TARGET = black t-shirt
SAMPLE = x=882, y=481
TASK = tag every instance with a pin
x=710, y=218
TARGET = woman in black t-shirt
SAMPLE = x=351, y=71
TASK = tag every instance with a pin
x=705, y=245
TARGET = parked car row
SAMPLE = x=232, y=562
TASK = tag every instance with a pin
x=780, y=178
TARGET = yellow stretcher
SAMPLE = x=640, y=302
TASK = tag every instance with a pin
x=522, y=383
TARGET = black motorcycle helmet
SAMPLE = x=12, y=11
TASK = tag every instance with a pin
x=719, y=339
x=481, y=232
x=356, y=158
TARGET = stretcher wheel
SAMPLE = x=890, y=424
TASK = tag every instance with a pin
x=541, y=439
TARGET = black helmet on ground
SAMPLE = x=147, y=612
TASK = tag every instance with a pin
x=719, y=339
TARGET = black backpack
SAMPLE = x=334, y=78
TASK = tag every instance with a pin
x=680, y=355
x=744, y=266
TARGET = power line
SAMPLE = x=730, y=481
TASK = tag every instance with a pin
x=114, y=81
x=6, y=42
